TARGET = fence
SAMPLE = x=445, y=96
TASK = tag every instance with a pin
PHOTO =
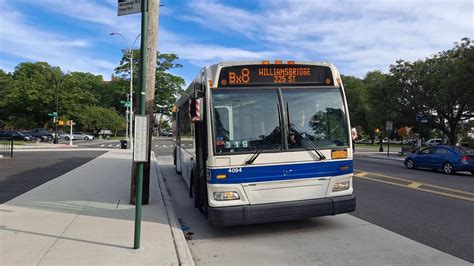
x=6, y=147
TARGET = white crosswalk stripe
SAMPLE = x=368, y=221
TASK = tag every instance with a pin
x=102, y=145
x=110, y=145
x=117, y=145
x=156, y=145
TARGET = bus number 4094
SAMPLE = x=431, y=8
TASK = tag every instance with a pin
x=235, y=170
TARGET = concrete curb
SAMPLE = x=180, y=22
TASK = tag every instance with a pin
x=182, y=248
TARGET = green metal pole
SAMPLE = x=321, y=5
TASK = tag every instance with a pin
x=139, y=181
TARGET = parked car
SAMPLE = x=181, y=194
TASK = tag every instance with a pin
x=364, y=141
x=32, y=138
x=40, y=136
x=450, y=159
x=15, y=135
x=79, y=135
x=40, y=132
x=166, y=134
x=433, y=142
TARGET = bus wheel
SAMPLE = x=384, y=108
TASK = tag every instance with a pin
x=191, y=187
x=174, y=156
x=196, y=191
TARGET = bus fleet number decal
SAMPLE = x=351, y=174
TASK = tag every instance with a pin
x=235, y=170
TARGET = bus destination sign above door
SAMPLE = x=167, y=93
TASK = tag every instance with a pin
x=275, y=75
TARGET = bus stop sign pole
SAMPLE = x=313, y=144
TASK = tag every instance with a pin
x=139, y=181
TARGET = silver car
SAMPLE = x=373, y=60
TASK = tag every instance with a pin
x=78, y=135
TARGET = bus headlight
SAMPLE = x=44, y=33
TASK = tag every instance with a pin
x=226, y=195
x=340, y=186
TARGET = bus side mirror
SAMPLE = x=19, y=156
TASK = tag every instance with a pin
x=195, y=107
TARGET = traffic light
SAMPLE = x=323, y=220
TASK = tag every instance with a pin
x=60, y=122
x=377, y=130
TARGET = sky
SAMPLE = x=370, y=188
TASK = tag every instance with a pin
x=356, y=36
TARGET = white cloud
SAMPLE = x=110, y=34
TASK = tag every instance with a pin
x=358, y=35
x=20, y=39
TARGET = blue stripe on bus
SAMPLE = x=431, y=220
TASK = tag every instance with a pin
x=252, y=174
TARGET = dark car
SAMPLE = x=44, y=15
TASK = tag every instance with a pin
x=450, y=159
x=41, y=132
x=40, y=136
x=15, y=135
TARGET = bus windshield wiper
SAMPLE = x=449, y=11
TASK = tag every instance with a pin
x=318, y=152
x=296, y=131
x=263, y=145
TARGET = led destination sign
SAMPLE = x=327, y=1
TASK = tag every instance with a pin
x=275, y=75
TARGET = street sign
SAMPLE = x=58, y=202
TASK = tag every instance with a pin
x=389, y=125
x=140, y=146
x=127, y=104
x=127, y=7
x=53, y=114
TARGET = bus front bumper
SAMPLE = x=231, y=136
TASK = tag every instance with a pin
x=281, y=211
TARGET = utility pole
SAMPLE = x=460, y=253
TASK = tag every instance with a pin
x=151, y=52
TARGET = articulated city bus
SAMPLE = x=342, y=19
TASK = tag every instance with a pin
x=265, y=141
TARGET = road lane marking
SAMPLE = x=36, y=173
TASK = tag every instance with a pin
x=445, y=191
x=117, y=145
x=415, y=185
x=156, y=145
x=110, y=145
x=102, y=145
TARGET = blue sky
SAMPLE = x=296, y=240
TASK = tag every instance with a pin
x=357, y=36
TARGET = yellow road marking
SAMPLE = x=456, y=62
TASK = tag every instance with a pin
x=417, y=186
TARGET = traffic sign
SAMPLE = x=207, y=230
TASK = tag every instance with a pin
x=389, y=125
x=53, y=114
x=127, y=7
x=127, y=104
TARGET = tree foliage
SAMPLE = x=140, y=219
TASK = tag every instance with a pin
x=94, y=119
x=441, y=87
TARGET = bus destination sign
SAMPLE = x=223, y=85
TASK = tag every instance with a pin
x=275, y=75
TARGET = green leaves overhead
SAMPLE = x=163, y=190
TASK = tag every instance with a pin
x=441, y=87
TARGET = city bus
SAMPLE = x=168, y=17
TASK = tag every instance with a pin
x=265, y=141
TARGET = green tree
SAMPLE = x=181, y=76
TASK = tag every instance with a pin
x=94, y=119
x=31, y=96
x=442, y=87
x=168, y=86
x=356, y=94
x=78, y=89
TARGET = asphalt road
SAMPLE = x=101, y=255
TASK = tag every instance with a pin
x=440, y=217
x=27, y=170
x=435, y=216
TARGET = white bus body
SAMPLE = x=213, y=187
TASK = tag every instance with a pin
x=269, y=142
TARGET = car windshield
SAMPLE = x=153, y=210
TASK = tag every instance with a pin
x=318, y=115
x=244, y=121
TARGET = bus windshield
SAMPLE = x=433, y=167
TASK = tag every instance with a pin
x=317, y=115
x=244, y=121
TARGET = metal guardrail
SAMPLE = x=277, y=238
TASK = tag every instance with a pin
x=6, y=147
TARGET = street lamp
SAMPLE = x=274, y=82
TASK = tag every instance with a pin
x=55, y=119
x=130, y=140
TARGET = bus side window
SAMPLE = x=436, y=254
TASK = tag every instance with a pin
x=186, y=135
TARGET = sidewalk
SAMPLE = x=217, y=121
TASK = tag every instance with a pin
x=84, y=217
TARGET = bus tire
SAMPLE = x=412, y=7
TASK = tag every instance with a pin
x=191, y=187
x=174, y=156
x=196, y=191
